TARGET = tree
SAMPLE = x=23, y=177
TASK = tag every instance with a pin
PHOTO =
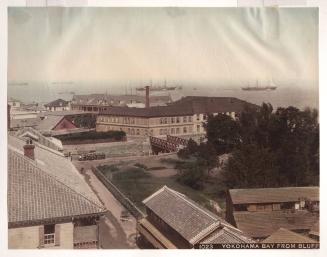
x=277, y=149
x=190, y=174
x=251, y=166
x=223, y=132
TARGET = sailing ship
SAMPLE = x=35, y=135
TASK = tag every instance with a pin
x=271, y=86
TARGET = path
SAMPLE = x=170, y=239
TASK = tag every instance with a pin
x=114, y=233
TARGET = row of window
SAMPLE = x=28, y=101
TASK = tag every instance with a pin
x=176, y=131
x=173, y=120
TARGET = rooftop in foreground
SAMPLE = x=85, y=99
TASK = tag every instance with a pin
x=190, y=220
x=272, y=195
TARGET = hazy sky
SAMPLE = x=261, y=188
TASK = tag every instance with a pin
x=186, y=44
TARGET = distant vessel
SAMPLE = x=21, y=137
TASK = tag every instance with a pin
x=159, y=88
x=66, y=92
x=271, y=86
x=62, y=83
x=18, y=84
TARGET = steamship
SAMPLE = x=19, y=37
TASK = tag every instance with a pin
x=270, y=87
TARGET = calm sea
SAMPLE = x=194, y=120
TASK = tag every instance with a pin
x=283, y=96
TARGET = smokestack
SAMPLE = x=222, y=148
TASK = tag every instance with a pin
x=147, y=97
x=29, y=149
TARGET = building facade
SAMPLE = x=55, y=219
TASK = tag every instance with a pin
x=262, y=211
x=182, y=118
x=101, y=102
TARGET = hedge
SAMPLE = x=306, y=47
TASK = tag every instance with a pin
x=116, y=135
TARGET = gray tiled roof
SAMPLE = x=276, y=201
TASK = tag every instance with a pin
x=57, y=103
x=49, y=123
x=264, y=223
x=226, y=235
x=272, y=195
x=208, y=104
x=185, y=106
x=53, y=164
x=190, y=220
x=35, y=195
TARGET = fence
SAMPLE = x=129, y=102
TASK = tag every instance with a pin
x=125, y=201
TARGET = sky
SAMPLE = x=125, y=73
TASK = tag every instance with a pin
x=207, y=45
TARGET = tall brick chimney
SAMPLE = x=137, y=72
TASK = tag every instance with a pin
x=147, y=96
x=29, y=149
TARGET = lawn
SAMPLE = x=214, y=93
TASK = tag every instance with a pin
x=137, y=183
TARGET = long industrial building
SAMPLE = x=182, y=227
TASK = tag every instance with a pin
x=184, y=117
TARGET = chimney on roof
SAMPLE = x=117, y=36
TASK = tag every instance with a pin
x=147, y=97
x=29, y=149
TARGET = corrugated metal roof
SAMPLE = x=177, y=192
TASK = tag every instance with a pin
x=273, y=195
x=283, y=235
x=264, y=223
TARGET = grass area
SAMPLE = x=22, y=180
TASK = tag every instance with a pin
x=137, y=184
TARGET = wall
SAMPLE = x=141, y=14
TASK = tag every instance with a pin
x=167, y=231
x=28, y=237
x=23, y=238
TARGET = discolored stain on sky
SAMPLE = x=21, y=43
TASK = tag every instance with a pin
x=209, y=45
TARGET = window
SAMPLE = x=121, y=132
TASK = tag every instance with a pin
x=260, y=207
x=204, y=117
x=198, y=117
x=137, y=132
x=198, y=128
x=177, y=130
x=184, y=130
x=189, y=118
x=49, y=234
x=172, y=120
x=184, y=119
x=177, y=119
x=172, y=130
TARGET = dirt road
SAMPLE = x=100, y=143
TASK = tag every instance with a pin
x=115, y=233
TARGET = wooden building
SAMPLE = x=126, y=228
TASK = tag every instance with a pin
x=57, y=105
x=175, y=221
x=49, y=203
x=101, y=102
x=262, y=211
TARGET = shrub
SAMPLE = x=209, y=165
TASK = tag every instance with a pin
x=140, y=165
x=116, y=135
